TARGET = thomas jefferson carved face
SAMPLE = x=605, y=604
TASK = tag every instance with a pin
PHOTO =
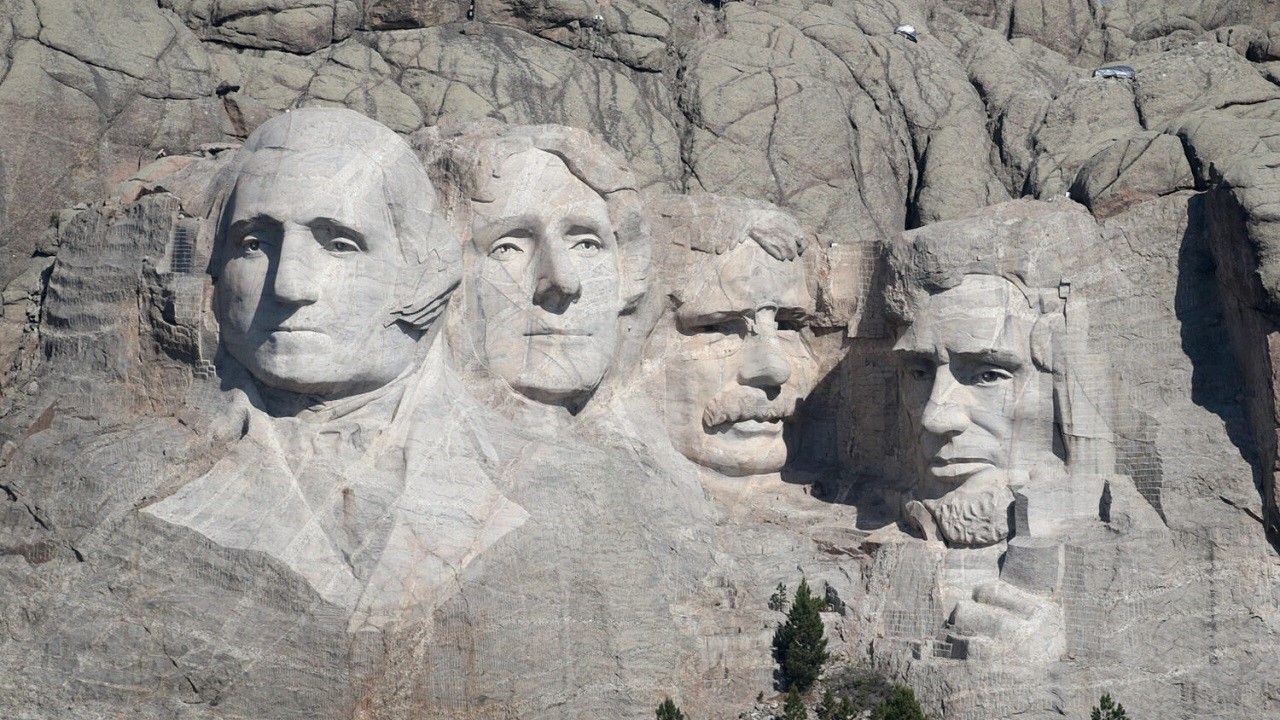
x=977, y=403
x=543, y=273
x=311, y=264
x=737, y=366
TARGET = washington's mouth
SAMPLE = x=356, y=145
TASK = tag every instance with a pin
x=958, y=466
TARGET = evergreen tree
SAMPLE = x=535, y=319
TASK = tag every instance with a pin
x=900, y=705
x=798, y=645
x=668, y=711
x=793, y=707
x=827, y=709
x=1108, y=709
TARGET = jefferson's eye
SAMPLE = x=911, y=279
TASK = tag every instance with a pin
x=505, y=250
x=992, y=376
x=588, y=245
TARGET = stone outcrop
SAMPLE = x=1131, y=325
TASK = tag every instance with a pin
x=568, y=488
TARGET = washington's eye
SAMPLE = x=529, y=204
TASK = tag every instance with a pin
x=992, y=376
x=342, y=245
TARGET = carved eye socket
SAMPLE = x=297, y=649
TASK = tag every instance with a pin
x=992, y=376
x=250, y=244
x=587, y=245
x=342, y=246
x=726, y=327
x=505, y=250
x=790, y=325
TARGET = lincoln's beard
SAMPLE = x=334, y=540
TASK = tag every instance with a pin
x=973, y=516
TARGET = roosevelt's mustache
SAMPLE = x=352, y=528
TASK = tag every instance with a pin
x=732, y=408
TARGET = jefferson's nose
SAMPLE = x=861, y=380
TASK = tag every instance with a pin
x=297, y=278
x=558, y=284
x=946, y=413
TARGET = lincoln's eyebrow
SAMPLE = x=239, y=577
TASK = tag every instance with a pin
x=909, y=355
x=991, y=356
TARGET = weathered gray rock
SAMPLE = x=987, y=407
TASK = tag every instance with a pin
x=638, y=573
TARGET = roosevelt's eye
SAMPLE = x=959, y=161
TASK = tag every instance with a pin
x=724, y=327
x=790, y=325
x=992, y=376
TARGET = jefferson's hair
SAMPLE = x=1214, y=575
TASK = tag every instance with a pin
x=465, y=161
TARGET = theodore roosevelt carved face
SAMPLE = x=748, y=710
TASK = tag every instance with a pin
x=737, y=361
x=321, y=282
x=556, y=251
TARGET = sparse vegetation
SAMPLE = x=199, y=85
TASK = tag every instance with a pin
x=793, y=707
x=900, y=705
x=799, y=645
x=1108, y=709
x=668, y=711
x=778, y=600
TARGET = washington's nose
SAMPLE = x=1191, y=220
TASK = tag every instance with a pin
x=763, y=364
x=946, y=412
x=558, y=285
x=297, y=280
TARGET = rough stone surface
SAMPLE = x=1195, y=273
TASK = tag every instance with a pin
x=596, y=562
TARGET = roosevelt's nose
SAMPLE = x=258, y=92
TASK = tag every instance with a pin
x=557, y=284
x=763, y=364
x=297, y=278
x=947, y=412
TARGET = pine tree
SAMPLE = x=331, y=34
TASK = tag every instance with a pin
x=900, y=705
x=1108, y=709
x=793, y=707
x=798, y=645
x=668, y=711
x=827, y=709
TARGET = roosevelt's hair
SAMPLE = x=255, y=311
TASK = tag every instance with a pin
x=465, y=161
x=353, y=143
x=688, y=229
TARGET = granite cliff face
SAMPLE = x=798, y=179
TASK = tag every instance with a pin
x=520, y=525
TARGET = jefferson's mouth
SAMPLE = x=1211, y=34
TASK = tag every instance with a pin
x=542, y=332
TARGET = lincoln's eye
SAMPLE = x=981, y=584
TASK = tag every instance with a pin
x=343, y=245
x=992, y=376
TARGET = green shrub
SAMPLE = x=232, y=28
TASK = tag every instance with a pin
x=900, y=705
x=668, y=711
x=1108, y=709
x=793, y=707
